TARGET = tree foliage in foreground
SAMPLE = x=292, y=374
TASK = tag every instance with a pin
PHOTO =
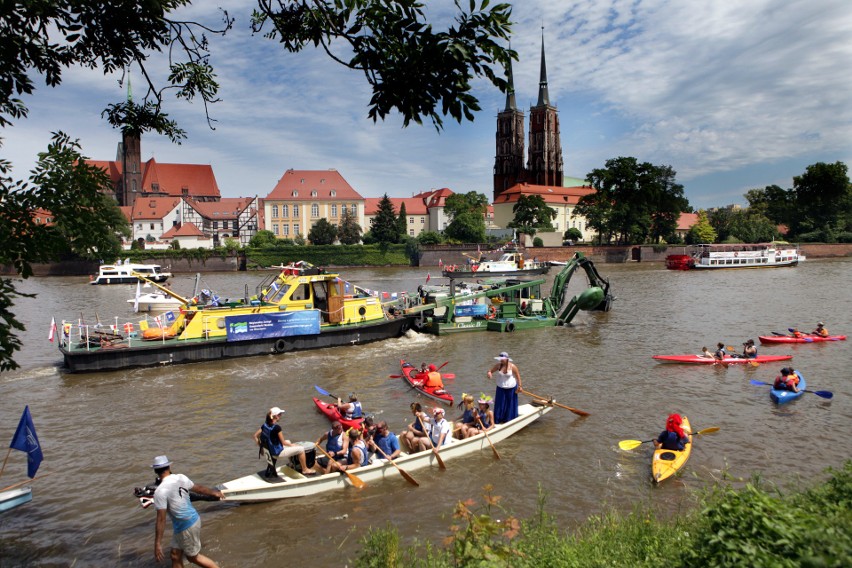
x=755, y=526
x=411, y=66
x=633, y=203
x=86, y=222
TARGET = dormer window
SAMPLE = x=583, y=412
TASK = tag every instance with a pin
x=333, y=193
x=296, y=192
x=313, y=193
x=302, y=180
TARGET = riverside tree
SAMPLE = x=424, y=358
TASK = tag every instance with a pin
x=467, y=212
x=384, y=227
x=349, y=231
x=322, y=233
x=413, y=67
x=532, y=214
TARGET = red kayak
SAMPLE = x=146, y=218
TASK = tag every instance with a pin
x=807, y=338
x=330, y=411
x=409, y=373
x=725, y=360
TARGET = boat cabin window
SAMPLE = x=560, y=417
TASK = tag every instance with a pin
x=320, y=296
x=301, y=292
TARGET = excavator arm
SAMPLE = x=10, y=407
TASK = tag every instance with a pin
x=596, y=297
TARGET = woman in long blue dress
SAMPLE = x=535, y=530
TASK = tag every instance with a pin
x=505, y=373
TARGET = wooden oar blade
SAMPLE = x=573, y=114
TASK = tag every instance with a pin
x=629, y=444
x=408, y=477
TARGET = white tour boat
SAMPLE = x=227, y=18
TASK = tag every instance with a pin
x=125, y=273
x=741, y=255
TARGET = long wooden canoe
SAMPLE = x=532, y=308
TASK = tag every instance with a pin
x=290, y=483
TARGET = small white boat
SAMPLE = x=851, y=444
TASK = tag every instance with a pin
x=720, y=256
x=15, y=498
x=510, y=263
x=155, y=303
x=126, y=272
x=290, y=483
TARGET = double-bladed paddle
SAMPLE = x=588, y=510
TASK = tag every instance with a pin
x=633, y=444
x=325, y=392
x=554, y=403
x=823, y=394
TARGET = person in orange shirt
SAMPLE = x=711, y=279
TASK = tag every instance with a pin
x=820, y=330
x=433, y=378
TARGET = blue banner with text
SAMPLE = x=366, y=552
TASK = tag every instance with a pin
x=265, y=326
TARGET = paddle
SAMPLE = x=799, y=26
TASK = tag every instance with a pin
x=633, y=444
x=429, y=437
x=550, y=401
x=443, y=375
x=325, y=392
x=402, y=472
x=823, y=394
x=484, y=431
x=778, y=333
x=353, y=479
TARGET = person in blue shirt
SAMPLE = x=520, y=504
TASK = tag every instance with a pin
x=385, y=442
x=673, y=437
x=172, y=498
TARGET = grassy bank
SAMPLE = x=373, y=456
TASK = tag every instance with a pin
x=757, y=525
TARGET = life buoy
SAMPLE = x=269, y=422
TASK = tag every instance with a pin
x=736, y=254
x=492, y=313
x=451, y=268
x=475, y=267
x=280, y=345
x=510, y=327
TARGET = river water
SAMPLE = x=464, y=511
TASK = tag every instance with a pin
x=100, y=432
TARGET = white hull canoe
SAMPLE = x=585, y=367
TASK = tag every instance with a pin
x=290, y=483
x=15, y=498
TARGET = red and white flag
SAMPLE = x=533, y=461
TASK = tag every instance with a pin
x=52, y=332
x=159, y=322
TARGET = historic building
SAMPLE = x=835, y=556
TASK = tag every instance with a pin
x=544, y=162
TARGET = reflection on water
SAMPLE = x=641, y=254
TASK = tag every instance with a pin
x=99, y=432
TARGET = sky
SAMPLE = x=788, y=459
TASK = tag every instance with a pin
x=732, y=95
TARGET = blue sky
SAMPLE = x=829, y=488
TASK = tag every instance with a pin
x=732, y=95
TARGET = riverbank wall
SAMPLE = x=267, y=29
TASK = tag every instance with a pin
x=434, y=255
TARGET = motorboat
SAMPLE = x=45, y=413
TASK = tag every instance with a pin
x=126, y=273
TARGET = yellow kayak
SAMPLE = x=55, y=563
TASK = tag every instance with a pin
x=667, y=462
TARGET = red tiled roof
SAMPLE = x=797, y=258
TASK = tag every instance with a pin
x=686, y=221
x=184, y=230
x=198, y=179
x=127, y=211
x=153, y=207
x=550, y=193
x=226, y=208
x=413, y=205
x=435, y=197
x=304, y=182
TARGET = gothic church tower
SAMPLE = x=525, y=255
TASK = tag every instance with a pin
x=509, y=161
x=545, y=156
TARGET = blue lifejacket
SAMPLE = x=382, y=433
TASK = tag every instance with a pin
x=335, y=443
x=361, y=446
x=269, y=438
x=356, y=411
x=467, y=417
x=483, y=418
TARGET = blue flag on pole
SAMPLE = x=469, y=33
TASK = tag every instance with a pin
x=25, y=440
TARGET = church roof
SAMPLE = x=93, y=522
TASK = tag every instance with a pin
x=197, y=179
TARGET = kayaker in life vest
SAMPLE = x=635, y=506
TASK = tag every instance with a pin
x=357, y=451
x=350, y=410
x=749, y=350
x=433, y=378
x=337, y=446
x=720, y=352
x=787, y=380
x=673, y=437
x=820, y=330
x=796, y=333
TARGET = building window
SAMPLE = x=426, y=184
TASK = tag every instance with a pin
x=314, y=210
x=284, y=212
x=411, y=220
x=295, y=229
x=422, y=220
x=139, y=227
x=296, y=191
x=274, y=211
x=152, y=226
x=286, y=230
x=411, y=232
x=295, y=211
x=334, y=210
x=354, y=210
x=333, y=193
x=313, y=193
x=275, y=229
x=215, y=225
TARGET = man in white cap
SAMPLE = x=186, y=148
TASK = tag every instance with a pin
x=505, y=373
x=172, y=496
x=271, y=437
x=820, y=330
x=439, y=434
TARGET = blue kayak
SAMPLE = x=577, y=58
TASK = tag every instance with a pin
x=783, y=396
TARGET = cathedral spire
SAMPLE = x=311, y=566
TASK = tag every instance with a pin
x=510, y=91
x=543, y=96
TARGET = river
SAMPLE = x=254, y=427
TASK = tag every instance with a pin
x=100, y=432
